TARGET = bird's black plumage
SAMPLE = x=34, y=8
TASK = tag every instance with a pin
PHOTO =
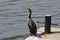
x=32, y=27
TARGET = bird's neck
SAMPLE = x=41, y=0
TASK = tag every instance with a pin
x=29, y=15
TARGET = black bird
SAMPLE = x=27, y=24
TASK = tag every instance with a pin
x=31, y=23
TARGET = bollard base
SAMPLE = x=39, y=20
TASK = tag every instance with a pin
x=44, y=34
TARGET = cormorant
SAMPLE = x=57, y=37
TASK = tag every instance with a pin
x=31, y=23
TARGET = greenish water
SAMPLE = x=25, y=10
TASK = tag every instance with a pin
x=13, y=19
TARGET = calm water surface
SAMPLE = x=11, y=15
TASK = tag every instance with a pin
x=13, y=19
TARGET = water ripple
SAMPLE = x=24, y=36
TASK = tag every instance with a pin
x=15, y=0
x=15, y=37
x=38, y=17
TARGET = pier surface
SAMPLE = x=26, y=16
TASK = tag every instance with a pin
x=55, y=35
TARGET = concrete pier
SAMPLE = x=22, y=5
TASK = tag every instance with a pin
x=55, y=35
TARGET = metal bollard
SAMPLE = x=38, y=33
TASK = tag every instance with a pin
x=47, y=23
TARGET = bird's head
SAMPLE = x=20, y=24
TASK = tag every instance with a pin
x=28, y=10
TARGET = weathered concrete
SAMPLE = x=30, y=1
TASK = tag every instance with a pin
x=55, y=35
